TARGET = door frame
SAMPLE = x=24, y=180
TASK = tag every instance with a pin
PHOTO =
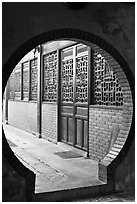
x=59, y=102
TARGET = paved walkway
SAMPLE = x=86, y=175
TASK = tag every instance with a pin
x=57, y=167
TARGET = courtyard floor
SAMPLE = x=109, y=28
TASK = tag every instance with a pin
x=57, y=166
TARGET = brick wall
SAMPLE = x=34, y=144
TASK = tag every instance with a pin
x=49, y=121
x=23, y=115
x=109, y=127
x=105, y=123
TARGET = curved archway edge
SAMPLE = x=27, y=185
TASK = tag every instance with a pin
x=58, y=34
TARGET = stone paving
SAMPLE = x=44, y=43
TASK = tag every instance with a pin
x=52, y=172
x=121, y=197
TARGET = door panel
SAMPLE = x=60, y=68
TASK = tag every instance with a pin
x=67, y=110
x=70, y=130
x=85, y=133
x=64, y=128
x=74, y=95
x=82, y=111
x=79, y=133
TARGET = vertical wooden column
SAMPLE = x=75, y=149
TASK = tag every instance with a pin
x=29, y=88
x=89, y=90
x=58, y=95
x=21, y=81
x=14, y=84
x=91, y=83
x=39, y=92
x=74, y=96
x=6, y=102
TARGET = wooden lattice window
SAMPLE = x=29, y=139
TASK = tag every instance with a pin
x=11, y=86
x=67, y=80
x=75, y=73
x=25, y=67
x=33, y=79
x=17, y=82
x=82, y=73
x=107, y=89
x=50, y=77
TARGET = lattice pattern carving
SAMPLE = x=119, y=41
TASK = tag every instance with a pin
x=82, y=79
x=11, y=86
x=107, y=90
x=25, y=67
x=34, y=79
x=50, y=77
x=67, y=80
x=17, y=80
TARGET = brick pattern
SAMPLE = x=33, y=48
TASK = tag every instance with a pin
x=109, y=128
x=49, y=121
x=18, y=110
x=101, y=130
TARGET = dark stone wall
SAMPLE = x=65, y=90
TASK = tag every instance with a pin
x=18, y=182
x=13, y=185
x=124, y=167
x=125, y=172
x=113, y=22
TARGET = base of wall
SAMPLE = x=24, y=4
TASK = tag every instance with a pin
x=74, y=194
x=49, y=139
x=102, y=172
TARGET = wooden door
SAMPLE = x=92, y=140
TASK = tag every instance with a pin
x=74, y=95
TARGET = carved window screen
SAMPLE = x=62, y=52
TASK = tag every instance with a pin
x=107, y=90
x=50, y=77
x=11, y=86
x=75, y=69
x=82, y=74
x=67, y=80
x=25, y=67
x=17, y=82
x=33, y=79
